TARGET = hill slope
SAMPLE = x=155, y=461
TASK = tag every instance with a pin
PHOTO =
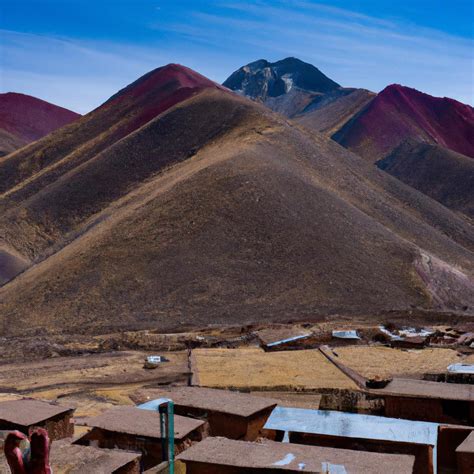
x=44, y=161
x=330, y=112
x=440, y=173
x=216, y=211
x=399, y=113
x=24, y=119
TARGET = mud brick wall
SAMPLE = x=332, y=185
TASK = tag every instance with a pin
x=150, y=448
x=430, y=409
x=227, y=425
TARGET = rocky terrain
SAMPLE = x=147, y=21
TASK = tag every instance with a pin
x=297, y=89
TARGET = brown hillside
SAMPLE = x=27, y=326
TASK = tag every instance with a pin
x=219, y=211
x=330, y=113
x=32, y=168
x=440, y=173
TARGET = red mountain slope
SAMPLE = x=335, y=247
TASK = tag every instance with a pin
x=24, y=118
x=399, y=113
x=126, y=111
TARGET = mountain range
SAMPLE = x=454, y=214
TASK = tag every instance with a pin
x=375, y=126
x=180, y=204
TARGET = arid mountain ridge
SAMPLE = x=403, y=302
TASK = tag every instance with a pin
x=374, y=126
x=24, y=119
x=177, y=203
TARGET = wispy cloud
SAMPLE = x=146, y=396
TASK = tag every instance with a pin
x=218, y=36
x=353, y=48
x=70, y=73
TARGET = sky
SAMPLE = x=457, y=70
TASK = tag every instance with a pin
x=77, y=53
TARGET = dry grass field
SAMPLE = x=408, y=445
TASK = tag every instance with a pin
x=254, y=369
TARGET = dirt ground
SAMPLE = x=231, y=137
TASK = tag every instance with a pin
x=91, y=383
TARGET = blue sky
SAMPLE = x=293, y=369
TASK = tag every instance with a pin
x=77, y=53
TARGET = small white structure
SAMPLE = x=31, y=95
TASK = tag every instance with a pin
x=352, y=334
x=152, y=362
x=461, y=368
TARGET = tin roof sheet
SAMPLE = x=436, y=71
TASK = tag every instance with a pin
x=352, y=425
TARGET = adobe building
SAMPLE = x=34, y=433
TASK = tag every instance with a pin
x=358, y=432
x=134, y=429
x=429, y=401
x=72, y=458
x=230, y=414
x=225, y=456
x=26, y=414
x=465, y=455
x=450, y=437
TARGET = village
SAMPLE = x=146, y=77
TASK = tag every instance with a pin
x=318, y=398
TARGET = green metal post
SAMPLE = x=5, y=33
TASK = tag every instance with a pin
x=167, y=433
x=171, y=436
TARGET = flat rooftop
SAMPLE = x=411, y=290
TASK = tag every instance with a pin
x=425, y=389
x=134, y=421
x=27, y=412
x=352, y=425
x=292, y=457
x=467, y=446
x=223, y=401
x=75, y=459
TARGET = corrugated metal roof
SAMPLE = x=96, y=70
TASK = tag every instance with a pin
x=352, y=334
x=289, y=339
x=461, y=368
x=352, y=425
